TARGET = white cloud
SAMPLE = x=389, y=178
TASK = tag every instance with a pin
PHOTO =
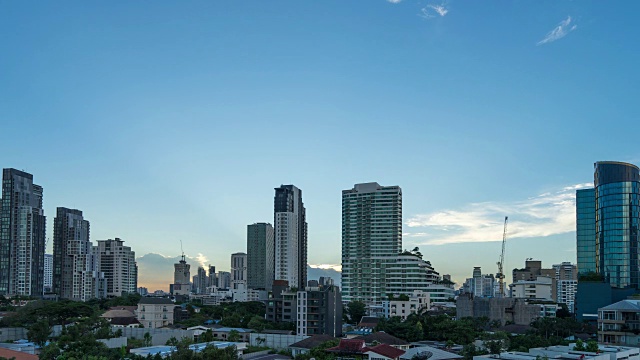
x=394, y=1
x=327, y=266
x=559, y=31
x=431, y=11
x=543, y=215
x=202, y=260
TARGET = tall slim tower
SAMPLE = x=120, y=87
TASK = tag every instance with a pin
x=238, y=270
x=118, y=263
x=75, y=275
x=260, y=256
x=617, y=205
x=22, y=235
x=371, y=239
x=586, y=230
x=290, y=236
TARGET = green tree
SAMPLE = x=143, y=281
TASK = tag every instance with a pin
x=355, y=311
x=147, y=339
x=206, y=336
x=592, y=346
x=39, y=332
x=579, y=346
x=233, y=336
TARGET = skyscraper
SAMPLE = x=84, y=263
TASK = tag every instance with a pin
x=48, y=273
x=213, y=279
x=118, y=263
x=201, y=285
x=617, y=206
x=260, y=256
x=586, y=230
x=371, y=239
x=238, y=270
x=290, y=236
x=181, y=278
x=75, y=275
x=22, y=235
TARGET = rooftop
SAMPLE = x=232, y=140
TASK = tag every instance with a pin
x=313, y=341
x=155, y=301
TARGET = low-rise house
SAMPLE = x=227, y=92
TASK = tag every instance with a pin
x=384, y=352
x=155, y=312
x=223, y=333
x=304, y=346
x=121, y=318
x=605, y=352
x=405, y=305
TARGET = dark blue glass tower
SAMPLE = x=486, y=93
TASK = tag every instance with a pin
x=617, y=211
x=586, y=230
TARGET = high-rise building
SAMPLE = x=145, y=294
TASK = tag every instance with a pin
x=481, y=285
x=617, y=202
x=181, y=278
x=22, y=235
x=201, y=285
x=290, y=228
x=75, y=275
x=239, y=270
x=213, y=279
x=409, y=273
x=118, y=263
x=48, y=273
x=260, y=256
x=224, y=279
x=586, y=230
x=371, y=239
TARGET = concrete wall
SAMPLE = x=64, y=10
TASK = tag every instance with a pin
x=275, y=341
x=12, y=334
x=114, y=343
x=158, y=336
x=255, y=354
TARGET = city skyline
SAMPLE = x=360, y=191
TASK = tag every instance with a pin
x=152, y=117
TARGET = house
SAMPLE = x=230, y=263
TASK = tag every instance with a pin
x=121, y=318
x=381, y=337
x=384, y=352
x=619, y=323
x=303, y=346
x=223, y=333
x=155, y=312
x=350, y=348
x=17, y=355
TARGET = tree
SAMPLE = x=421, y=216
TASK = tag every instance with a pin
x=355, y=311
x=494, y=346
x=147, y=339
x=39, y=332
x=579, y=346
x=234, y=336
x=592, y=346
x=207, y=336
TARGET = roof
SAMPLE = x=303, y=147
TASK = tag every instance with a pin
x=18, y=355
x=350, y=346
x=386, y=350
x=279, y=332
x=155, y=300
x=369, y=321
x=312, y=341
x=515, y=328
x=118, y=314
x=124, y=321
x=271, y=357
x=228, y=329
x=437, y=354
x=631, y=305
x=382, y=338
x=130, y=308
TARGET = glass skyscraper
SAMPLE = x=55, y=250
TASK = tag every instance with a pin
x=586, y=230
x=617, y=217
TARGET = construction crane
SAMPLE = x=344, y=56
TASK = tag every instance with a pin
x=500, y=274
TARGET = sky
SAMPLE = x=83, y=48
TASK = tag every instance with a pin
x=174, y=121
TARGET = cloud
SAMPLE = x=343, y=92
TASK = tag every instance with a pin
x=155, y=271
x=431, y=11
x=327, y=266
x=394, y=1
x=543, y=215
x=559, y=31
x=202, y=260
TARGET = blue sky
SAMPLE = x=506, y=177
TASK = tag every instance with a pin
x=167, y=121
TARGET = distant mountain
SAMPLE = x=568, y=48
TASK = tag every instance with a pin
x=315, y=273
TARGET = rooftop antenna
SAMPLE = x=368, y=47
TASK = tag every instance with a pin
x=182, y=251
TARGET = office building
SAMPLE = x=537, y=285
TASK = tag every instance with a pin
x=48, y=273
x=239, y=271
x=213, y=279
x=260, y=256
x=371, y=239
x=181, y=278
x=540, y=288
x=201, y=284
x=586, y=230
x=290, y=228
x=22, y=235
x=224, y=279
x=481, y=285
x=617, y=196
x=118, y=263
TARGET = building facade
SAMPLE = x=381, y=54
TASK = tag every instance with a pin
x=586, y=230
x=118, y=263
x=224, y=279
x=239, y=271
x=371, y=239
x=181, y=278
x=617, y=200
x=409, y=273
x=540, y=288
x=405, y=306
x=619, y=323
x=290, y=229
x=260, y=256
x=155, y=313
x=48, y=273
x=319, y=311
x=22, y=235
x=481, y=285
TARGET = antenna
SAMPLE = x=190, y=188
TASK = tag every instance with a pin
x=182, y=250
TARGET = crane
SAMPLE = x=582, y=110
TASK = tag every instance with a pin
x=500, y=274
